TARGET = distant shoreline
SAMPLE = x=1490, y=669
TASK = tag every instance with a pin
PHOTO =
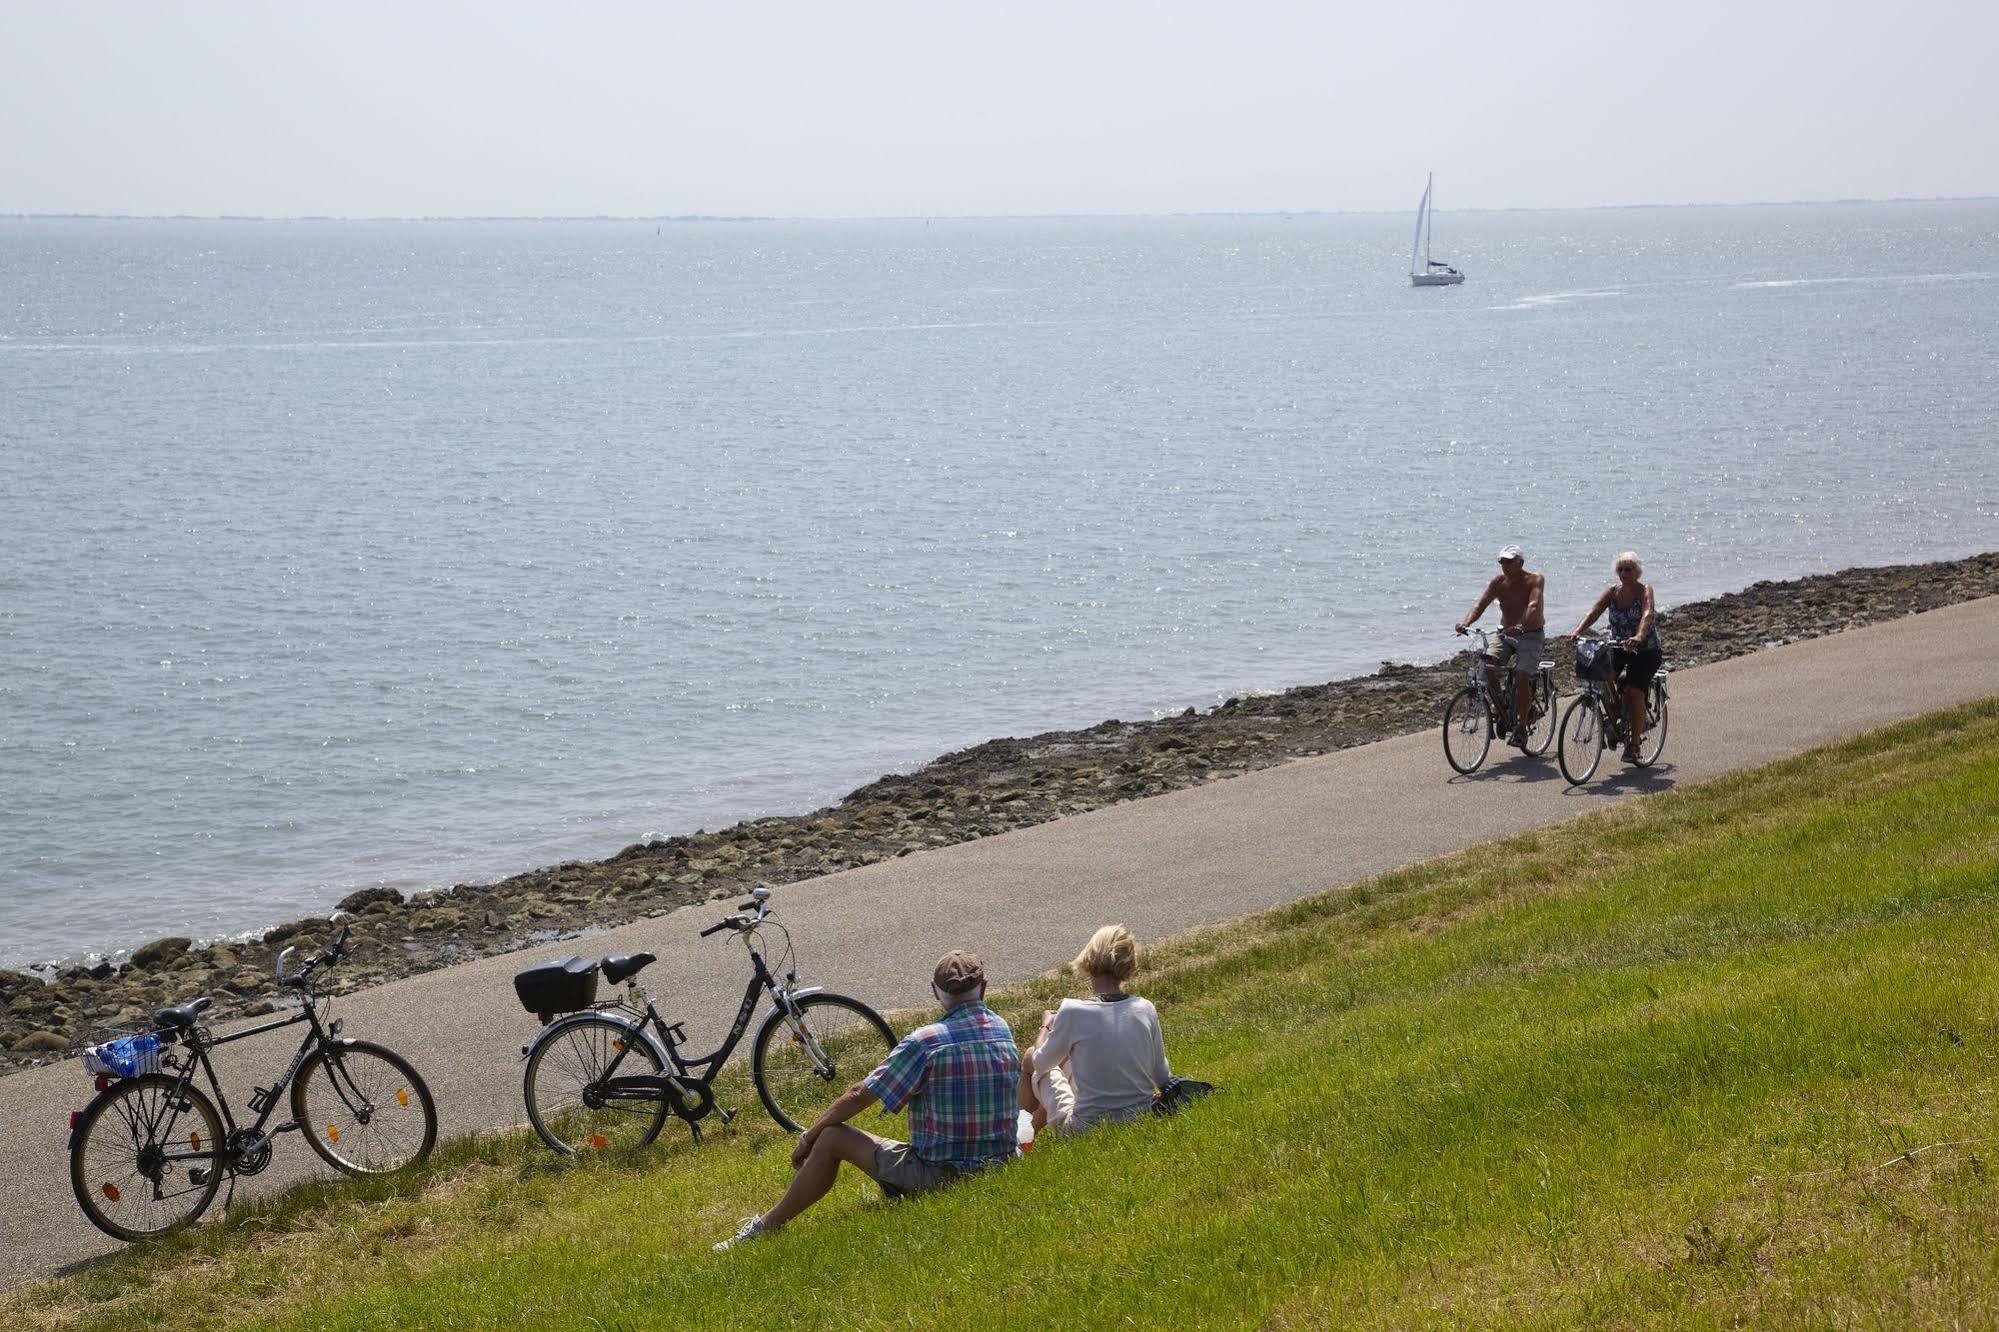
x=663, y=218
x=995, y=787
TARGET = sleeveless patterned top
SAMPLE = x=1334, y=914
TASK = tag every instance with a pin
x=1624, y=620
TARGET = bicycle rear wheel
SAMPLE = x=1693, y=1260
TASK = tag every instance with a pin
x=800, y=1064
x=563, y=1085
x=1655, y=726
x=1542, y=722
x=364, y=1109
x=146, y=1158
x=1582, y=740
x=1467, y=730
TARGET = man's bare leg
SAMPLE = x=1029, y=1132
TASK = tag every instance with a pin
x=835, y=1143
x=1523, y=703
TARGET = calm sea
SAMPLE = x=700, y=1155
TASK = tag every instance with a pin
x=339, y=554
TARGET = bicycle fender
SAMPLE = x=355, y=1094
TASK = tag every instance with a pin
x=571, y=1019
x=776, y=1014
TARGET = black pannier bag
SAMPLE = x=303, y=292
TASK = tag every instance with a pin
x=557, y=987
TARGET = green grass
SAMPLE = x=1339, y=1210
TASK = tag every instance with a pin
x=1665, y=1065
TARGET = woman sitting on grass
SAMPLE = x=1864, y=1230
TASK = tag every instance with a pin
x=1101, y=1057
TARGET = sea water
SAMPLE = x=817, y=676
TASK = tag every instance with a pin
x=336, y=554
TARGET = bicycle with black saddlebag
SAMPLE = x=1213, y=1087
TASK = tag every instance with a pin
x=149, y=1154
x=609, y=1073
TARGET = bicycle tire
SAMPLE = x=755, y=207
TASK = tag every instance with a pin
x=1468, y=720
x=1655, y=735
x=374, y=1116
x=105, y=1168
x=1583, y=732
x=565, y=1061
x=1547, y=723
x=795, y=1091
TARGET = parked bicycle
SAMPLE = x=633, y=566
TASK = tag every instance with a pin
x=1483, y=709
x=149, y=1153
x=1595, y=721
x=608, y=1075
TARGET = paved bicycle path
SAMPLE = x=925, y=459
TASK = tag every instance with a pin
x=1026, y=900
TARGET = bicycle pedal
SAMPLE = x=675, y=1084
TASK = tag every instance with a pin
x=198, y=1176
x=728, y=1116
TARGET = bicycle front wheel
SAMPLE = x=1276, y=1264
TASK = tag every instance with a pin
x=804, y=1059
x=364, y=1109
x=1582, y=740
x=564, y=1086
x=1655, y=734
x=146, y=1158
x=1467, y=730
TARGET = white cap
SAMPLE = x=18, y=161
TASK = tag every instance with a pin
x=1509, y=553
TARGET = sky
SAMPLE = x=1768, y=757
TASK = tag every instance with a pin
x=940, y=108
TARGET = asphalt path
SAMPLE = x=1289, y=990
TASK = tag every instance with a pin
x=1027, y=900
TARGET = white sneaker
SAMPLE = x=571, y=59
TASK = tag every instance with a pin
x=752, y=1228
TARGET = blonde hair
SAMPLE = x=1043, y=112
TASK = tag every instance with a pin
x=1111, y=952
x=1629, y=557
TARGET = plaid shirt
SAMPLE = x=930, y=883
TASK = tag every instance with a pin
x=959, y=1078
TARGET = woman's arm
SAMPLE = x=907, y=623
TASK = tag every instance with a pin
x=1645, y=621
x=1594, y=611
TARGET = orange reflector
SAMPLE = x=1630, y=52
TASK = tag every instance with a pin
x=402, y=1096
x=619, y=1046
x=333, y=1133
x=111, y=1191
x=596, y=1140
x=194, y=1141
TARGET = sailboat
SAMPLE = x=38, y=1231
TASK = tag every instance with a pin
x=1434, y=272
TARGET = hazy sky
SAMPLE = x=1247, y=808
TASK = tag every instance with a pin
x=859, y=108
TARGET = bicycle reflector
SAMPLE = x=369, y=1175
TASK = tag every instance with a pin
x=333, y=1133
x=103, y=1082
x=402, y=1096
x=111, y=1190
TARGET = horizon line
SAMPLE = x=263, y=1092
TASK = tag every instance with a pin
x=31, y=216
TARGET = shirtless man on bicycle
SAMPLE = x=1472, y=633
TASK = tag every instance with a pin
x=1523, y=631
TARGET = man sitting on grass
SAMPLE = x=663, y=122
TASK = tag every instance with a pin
x=957, y=1077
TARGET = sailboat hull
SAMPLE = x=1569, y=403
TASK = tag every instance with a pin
x=1435, y=279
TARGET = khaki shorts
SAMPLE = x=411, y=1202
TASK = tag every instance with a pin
x=901, y=1172
x=1524, y=653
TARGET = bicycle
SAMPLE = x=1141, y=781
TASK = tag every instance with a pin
x=1470, y=722
x=1595, y=720
x=148, y=1154
x=607, y=1076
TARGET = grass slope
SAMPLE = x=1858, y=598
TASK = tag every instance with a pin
x=1724, y=1056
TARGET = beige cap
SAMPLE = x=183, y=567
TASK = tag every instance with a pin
x=959, y=972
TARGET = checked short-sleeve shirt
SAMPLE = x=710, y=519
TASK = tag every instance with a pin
x=959, y=1078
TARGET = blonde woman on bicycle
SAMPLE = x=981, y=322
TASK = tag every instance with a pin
x=1097, y=1058
x=1634, y=630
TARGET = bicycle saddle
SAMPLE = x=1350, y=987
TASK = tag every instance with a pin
x=173, y=1019
x=618, y=966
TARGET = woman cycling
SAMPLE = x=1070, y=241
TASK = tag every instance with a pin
x=1101, y=1057
x=1634, y=629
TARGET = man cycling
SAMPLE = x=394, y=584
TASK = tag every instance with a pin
x=1523, y=632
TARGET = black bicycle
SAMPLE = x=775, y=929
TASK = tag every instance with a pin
x=1595, y=721
x=148, y=1155
x=607, y=1075
x=1484, y=709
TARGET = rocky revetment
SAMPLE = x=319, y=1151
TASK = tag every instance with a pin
x=991, y=788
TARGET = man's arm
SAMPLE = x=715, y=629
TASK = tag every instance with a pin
x=1485, y=599
x=850, y=1103
x=1533, y=611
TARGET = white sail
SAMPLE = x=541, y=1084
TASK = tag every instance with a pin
x=1422, y=215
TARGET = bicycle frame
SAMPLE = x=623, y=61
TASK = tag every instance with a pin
x=197, y=1042
x=702, y=1068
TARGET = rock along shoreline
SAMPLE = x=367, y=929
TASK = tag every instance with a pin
x=994, y=787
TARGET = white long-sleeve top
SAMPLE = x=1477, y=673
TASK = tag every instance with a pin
x=1115, y=1052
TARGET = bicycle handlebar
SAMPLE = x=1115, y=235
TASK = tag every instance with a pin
x=338, y=950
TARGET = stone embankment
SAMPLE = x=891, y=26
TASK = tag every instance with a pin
x=991, y=788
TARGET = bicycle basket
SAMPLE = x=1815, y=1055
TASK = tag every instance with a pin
x=125, y=1057
x=557, y=987
x=1592, y=660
